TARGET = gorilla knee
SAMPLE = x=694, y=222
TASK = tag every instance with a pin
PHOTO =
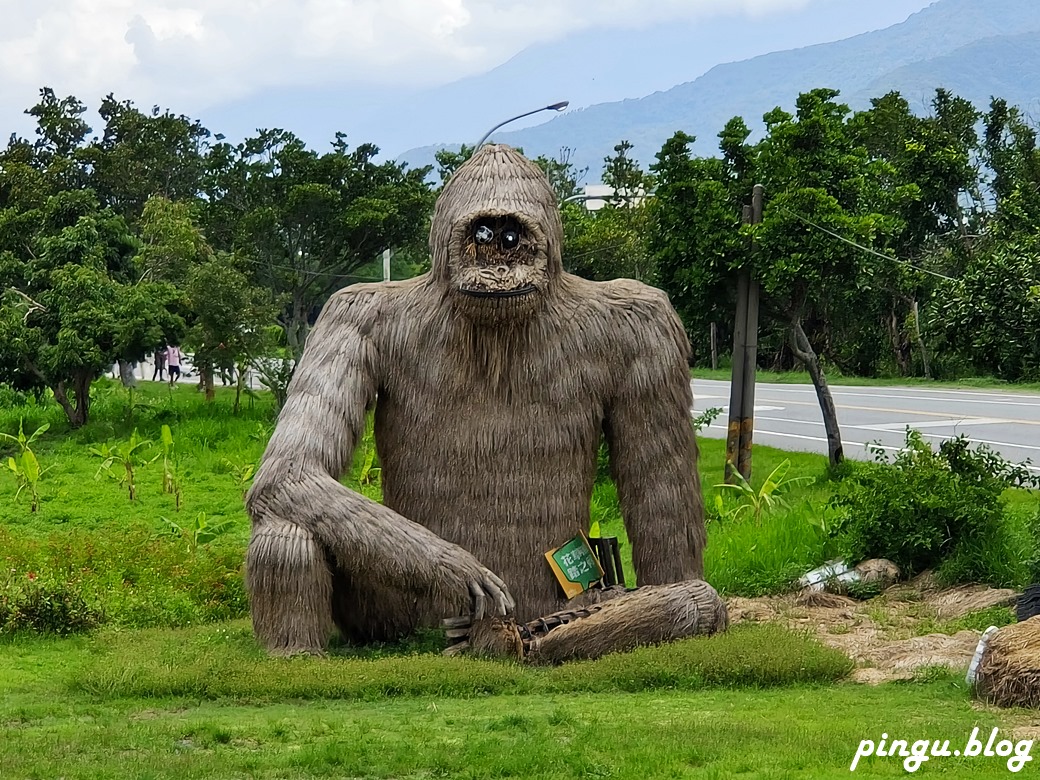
x=290, y=589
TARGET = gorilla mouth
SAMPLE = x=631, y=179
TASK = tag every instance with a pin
x=486, y=293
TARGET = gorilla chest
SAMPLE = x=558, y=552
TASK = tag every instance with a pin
x=523, y=419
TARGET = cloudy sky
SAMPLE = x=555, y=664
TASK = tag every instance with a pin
x=194, y=54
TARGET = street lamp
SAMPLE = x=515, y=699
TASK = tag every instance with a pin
x=553, y=107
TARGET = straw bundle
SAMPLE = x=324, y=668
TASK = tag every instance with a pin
x=642, y=616
x=1008, y=673
x=489, y=411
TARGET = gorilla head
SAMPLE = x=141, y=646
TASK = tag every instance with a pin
x=496, y=236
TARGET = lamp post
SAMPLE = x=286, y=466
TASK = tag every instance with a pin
x=552, y=107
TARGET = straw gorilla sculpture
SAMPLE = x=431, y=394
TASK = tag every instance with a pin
x=493, y=378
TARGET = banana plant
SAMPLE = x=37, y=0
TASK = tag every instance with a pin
x=757, y=502
x=171, y=473
x=130, y=456
x=25, y=466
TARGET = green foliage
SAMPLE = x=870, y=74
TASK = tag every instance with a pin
x=308, y=221
x=130, y=455
x=973, y=621
x=213, y=663
x=44, y=604
x=134, y=579
x=935, y=509
x=242, y=472
x=171, y=480
x=370, y=469
x=74, y=303
x=200, y=531
x=610, y=242
x=25, y=466
x=990, y=316
x=744, y=559
x=758, y=502
x=706, y=418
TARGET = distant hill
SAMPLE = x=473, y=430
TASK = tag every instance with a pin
x=588, y=67
x=975, y=48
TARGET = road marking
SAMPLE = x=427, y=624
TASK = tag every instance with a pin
x=725, y=409
x=903, y=397
x=864, y=445
x=922, y=413
x=949, y=423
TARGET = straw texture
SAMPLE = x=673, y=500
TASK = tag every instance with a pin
x=1009, y=672
x=489, y=410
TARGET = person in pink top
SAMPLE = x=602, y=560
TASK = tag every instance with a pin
x=173, y=363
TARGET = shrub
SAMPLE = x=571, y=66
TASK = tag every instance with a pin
x=45, y=605
x=935, y=509
x=137, y=580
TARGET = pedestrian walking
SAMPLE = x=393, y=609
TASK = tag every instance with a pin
x=173, y=363
x=159, y=358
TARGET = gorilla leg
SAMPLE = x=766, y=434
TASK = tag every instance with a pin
x=290, y=589
x=649, y=615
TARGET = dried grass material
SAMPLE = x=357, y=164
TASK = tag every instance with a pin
x=965, y=599
x=878, y=571
x=1009, y=672
x=820, y=598
x=496, y=638
x=646, y=616
x=488, y=414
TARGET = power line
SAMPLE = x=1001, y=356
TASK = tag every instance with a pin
x=866, y=249
x=328, y=274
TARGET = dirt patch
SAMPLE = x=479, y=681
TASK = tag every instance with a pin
x=889, y=637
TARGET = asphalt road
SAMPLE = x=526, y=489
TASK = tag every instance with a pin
x=788, y=417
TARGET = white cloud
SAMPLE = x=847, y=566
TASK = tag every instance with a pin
x=188, y=54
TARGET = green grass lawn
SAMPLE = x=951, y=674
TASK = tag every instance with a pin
x=172, y=684
x=97, y=708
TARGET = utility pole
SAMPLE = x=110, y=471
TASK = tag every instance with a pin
x=386, y=265
x=745, y=359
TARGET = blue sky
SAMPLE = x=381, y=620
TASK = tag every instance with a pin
x=245, y=63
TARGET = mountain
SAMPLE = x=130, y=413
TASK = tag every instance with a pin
x=976, y=48
x=590, y=67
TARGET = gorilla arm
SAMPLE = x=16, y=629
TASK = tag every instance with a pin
x=653, y=451
x=318, y=429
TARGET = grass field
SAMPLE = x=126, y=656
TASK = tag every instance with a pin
x=170, y=684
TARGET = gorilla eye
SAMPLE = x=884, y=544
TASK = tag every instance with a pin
x=484, y=234
x=510, y=239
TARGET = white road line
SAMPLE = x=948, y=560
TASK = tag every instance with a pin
x=951, y=423
x=864, y=445
x=904, y=397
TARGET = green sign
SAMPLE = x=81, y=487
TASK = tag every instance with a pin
x=576, y=565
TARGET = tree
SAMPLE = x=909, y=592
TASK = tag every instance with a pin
x=990, y=316
x=817, y=187
x=227, y=315
x=814, y=174
x=306, y=222
x=449, y=161
x=74, y=302
x=140, y=155
x=610, y=242
x=693, y=236
x=1010, y=151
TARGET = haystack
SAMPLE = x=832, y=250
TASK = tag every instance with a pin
x=1008, y=672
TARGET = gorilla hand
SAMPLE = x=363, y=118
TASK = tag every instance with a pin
x=464, y=573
